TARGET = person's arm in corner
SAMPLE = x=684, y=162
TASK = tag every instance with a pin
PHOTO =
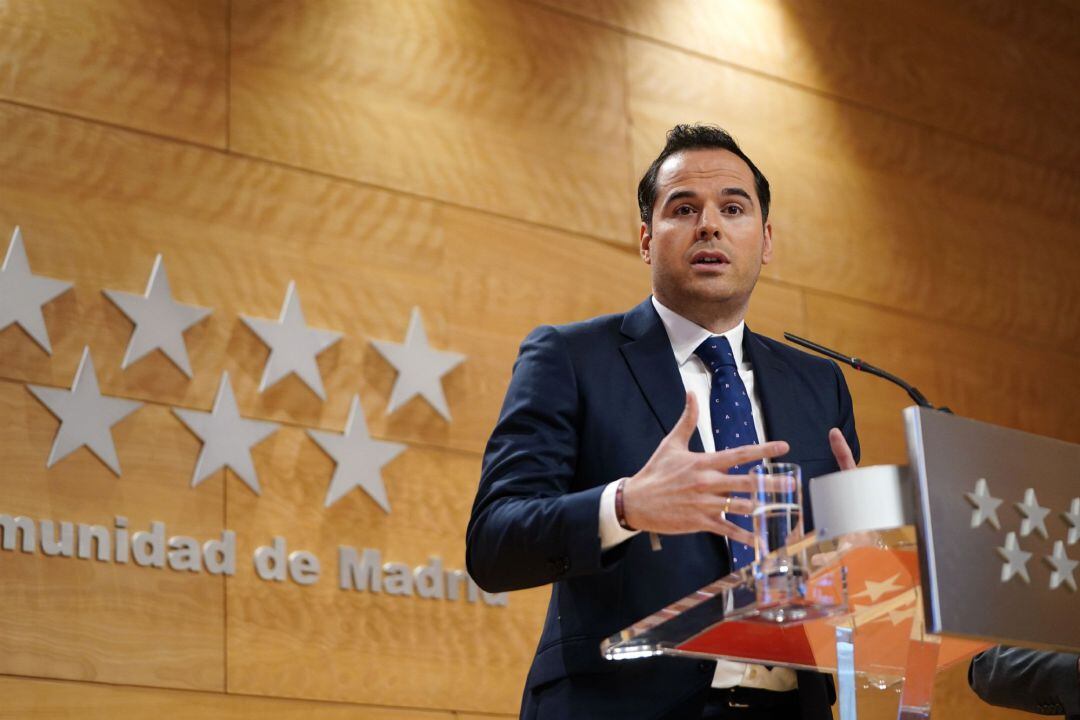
x=1035, y=681
x=527, y=527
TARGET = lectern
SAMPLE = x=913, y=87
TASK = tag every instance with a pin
x=910, y=568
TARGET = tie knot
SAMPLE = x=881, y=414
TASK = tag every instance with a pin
x=716, y=353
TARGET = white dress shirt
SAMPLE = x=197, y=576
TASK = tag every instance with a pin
x=685, y=336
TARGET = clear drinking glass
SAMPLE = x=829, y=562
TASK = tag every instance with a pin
x=777, y=522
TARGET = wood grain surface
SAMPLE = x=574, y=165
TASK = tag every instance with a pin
x=882, y=211
x=234, y=232
x=999, y=74
x=477, y=160
x=979, y=376
x=505, y=107
x=349, y=645
x=102, y=621
x=35, y=699
x=159, y=67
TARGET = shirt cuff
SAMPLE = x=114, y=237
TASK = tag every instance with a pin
x=611, y=532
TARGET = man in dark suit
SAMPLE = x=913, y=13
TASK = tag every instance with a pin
x=647, y=421
x=1035, y=681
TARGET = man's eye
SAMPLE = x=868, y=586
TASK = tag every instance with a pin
x=733, y=209
x=684, y=210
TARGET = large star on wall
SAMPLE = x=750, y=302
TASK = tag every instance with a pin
x=22, y=293
x=359, y=458
x=86, y=416
x=159, y=320
x=420, y=367
x=227, y=438
x=293, y=345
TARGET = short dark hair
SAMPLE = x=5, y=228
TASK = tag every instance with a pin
x=696, y=137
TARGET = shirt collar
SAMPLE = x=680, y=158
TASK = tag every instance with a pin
x=685, y=335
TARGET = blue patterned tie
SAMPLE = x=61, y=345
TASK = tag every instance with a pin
x=732, y=422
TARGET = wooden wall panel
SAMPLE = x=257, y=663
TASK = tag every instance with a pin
x=234, y=232
x=506, y=107
x=326, y=643
x=883, y=211
x=27, y=699
x=977, y=375
x=1000, y=74
x=89, y=620
x=160, y=67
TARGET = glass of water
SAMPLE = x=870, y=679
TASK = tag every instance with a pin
x=777, y=522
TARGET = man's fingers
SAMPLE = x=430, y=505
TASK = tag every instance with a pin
x=684, y=428
x=729, y=529
x=729, y=504
x=840, y=450
x=747, y=453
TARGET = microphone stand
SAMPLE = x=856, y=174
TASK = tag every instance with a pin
x=863, y=366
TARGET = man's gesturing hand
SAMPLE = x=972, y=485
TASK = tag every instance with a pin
x=679, y=491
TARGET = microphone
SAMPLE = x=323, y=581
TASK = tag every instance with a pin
x=863, y=366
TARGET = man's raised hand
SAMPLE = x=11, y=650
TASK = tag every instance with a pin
x=680, y=491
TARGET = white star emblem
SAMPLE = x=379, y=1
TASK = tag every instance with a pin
x=1034, y=515
x=227, y=438
x=359, y=458
x=1062, y=567
x=420, y=367
x=1015, y=559
x=22, y=293
x=86, y=416
x=875, y=590
x=159, y=320
x=985, y=506
x=293, y=345
x=1073, y=518
x=897, y=616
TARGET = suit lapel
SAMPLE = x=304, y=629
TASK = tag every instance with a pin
x=774, y=387
x=652, y=363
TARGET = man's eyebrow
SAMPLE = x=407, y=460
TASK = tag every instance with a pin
x=681, y=194
x=737, y=191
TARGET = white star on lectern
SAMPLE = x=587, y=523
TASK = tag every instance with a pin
x=1034, y=515
x=359, y=458
x=22, y=293
x=874, y=590
x=1063, y=567
x=1015, y=559
x=420, y=367
x=227, y=437
x=897, y=616
x=1073, y=518
x=159, y=320
x=293, y=345
x=86, y=416
x=985, y=506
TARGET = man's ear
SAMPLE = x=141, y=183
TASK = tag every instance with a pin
x=766, y=244
x=644, y=242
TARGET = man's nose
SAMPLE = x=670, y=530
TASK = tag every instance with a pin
x=709, y=223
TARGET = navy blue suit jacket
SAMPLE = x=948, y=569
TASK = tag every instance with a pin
x=588, y=403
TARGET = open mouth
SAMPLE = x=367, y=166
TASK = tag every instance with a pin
x=709, y=258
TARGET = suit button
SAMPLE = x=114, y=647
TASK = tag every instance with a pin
x=705, y=666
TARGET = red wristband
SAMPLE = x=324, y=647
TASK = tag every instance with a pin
x=620, y=512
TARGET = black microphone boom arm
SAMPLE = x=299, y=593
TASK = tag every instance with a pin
x=866, y=367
